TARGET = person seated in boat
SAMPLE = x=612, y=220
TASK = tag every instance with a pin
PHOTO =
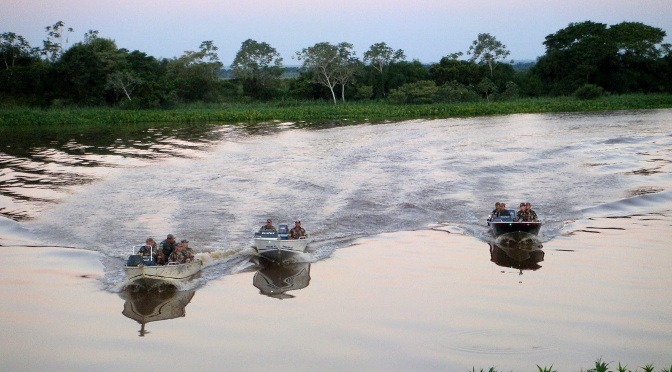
x=522, y=214
x=185, y=242
x=297, y=232
x=149, y=249
x=166, y=248
x=180, y=255
x=504, y=212
x=532, y=213
x=495, y=212
x=268, y=226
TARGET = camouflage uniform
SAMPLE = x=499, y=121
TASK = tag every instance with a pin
x=297, y=232
x=165, y=250
x=523, y=216
x=181, y=257
x=533, y=215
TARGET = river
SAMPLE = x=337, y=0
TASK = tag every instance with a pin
x=397, y=189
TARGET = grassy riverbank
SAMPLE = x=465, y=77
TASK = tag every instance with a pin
x=315, y=112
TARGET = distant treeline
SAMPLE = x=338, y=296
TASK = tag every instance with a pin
x=584, y=59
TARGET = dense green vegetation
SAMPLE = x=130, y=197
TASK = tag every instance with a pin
x=597, y=65
x=317, y=112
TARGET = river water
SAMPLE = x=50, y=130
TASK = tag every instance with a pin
x=363, y=185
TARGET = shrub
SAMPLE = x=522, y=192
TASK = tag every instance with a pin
x=423, y=91
x=589, y=91
x=456, y=92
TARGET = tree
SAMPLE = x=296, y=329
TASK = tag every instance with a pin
x=618, y=58
x=450, y=70
x=486, y=49
x=327, y=63
x=14, y=49
x=487, y=87
x=195, y=73
x=124, y=81
x=380, y=56
x=258, y=66
x=57, y=34
x=347, y=66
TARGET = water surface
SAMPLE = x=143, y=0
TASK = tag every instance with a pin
x=396, y=212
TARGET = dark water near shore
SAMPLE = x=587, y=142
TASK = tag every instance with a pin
x=215, y=185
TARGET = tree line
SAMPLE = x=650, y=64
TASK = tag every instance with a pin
x=586, y=59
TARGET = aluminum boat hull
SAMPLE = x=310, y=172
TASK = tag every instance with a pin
x=279, y=249
x=163, y=273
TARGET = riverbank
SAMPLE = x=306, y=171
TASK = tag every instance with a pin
x=317, y=112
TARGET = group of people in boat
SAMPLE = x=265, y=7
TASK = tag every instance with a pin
x=168, y=251
x=297, y=232
x=524, y=213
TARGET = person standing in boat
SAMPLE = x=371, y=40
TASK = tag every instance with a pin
x=297, y=232
x=268, y=226
x=530, y=212
x=167, y=247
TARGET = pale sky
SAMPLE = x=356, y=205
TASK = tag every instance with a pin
x=425, y=29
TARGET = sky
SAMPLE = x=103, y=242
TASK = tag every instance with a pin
x=425, y=30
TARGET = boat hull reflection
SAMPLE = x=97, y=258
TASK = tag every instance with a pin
x=276, y=279
x=145, y=305
x=516, y=255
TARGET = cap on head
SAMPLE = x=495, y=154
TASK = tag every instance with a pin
x=522, y=204
x=170, y=236
x=497, y=204
x=528, y=203
x=268, y=220
x=184, y=241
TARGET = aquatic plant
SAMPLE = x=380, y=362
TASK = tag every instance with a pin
x=317, y=112
x=546, y=369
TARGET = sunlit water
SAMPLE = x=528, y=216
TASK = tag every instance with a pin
x=215, y=185
x=403, y=295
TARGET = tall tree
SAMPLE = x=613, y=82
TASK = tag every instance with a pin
x=380, y=56
x=347, y=66
x=57, y=35
x=13, y=49
x=325, y=61
x=258, y=66
x=487, y=49
x=195, y=74
x=85, y=70
x=618, y=58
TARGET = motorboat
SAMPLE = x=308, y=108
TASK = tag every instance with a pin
x=141, y=269
x=155, y=304
x=275, y=280
x=276, y=245
x=506, y=224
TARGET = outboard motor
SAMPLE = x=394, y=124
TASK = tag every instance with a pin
x=135, y=260
x=283, y=232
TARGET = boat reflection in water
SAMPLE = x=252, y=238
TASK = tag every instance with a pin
x=519, y=252
x=157, y=303
x=276, y=279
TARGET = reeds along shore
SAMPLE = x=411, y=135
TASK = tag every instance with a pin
x=600, y=366
x=320, y=112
